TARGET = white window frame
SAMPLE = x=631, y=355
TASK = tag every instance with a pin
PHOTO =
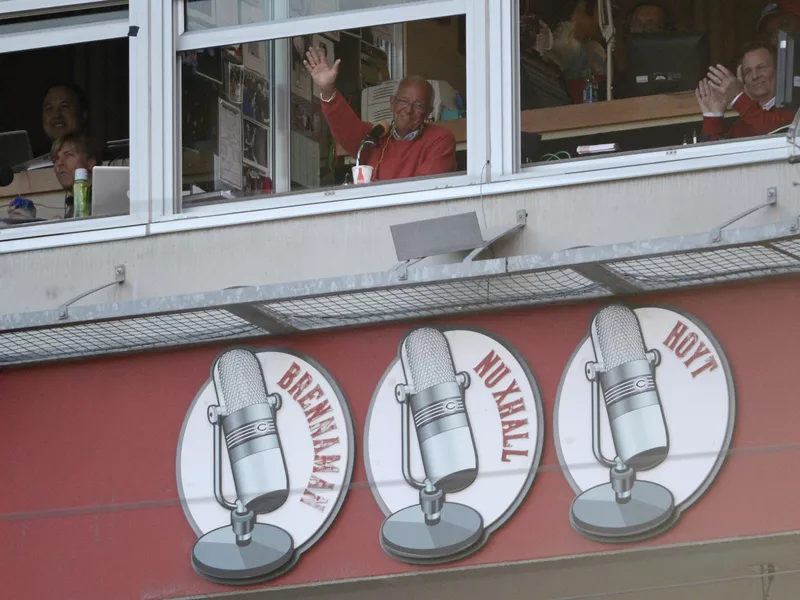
x=476, y=12
x=68, y=230
x=493, y=127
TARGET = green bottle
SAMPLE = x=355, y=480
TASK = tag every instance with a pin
x=80, y=194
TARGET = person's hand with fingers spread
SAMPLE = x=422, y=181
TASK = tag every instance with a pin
x=712, y=102
x=725, y=82
x=322, y=73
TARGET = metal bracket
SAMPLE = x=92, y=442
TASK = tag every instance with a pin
x=522, y=220
x=119, y=277
x=402, y=267
x=767, y=572
x=772, y=199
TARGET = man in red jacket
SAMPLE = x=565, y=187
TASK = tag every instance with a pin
x=411, y=148
x=751, y=93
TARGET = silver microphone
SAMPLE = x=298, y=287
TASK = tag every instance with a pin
x=627, y=379
x=247, y=413
x=436, y=396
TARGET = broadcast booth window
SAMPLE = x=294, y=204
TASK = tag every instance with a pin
x=363, y=106
x=66, y=105
x=600, y=78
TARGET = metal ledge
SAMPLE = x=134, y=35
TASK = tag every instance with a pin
x=569, y=275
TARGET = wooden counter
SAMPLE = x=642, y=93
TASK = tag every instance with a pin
x=42, y=187
x=588, y=119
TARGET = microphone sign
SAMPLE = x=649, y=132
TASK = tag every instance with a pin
x=272, y=430
x=452, y=442
x=643, y=421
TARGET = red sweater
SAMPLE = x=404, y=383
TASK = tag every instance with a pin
x=432, y=152
x=753, y=120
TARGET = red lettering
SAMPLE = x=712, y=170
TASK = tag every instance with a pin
x=686, y=345
x=487, y=363
x=675, y=336
x=509, y=426
x=512, y=389
x=514, y=436
x=511, y=408
x=299, y=387
x=507, y=454
x=314, y=501
x=498, y=375
x=289, y=376
x=324, y=464
x=306, y=400
x=324, y=444
x=323, y=408
x=315, y=483
x=702, y=350
x=325, y=426
x=710, y=365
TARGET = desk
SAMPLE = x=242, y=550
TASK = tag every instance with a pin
x=42, y=187
x=576, y=120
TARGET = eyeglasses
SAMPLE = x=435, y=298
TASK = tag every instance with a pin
x=403, y=103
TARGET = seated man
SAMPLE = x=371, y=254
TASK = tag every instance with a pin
x=411, y=148
x=751, y=93
x=71, y=152
x=65, y=111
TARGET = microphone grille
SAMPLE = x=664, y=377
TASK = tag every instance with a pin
x=429, y=360
x=618, y=336
x=239, y=380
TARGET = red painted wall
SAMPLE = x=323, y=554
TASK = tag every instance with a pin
x=89, y=508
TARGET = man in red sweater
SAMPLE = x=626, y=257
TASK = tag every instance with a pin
x=751, y=93
x=411, y=148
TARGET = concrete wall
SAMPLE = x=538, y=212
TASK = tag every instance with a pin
x=358, y=242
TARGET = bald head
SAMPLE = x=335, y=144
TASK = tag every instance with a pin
x=422, y=84
x=412, y=104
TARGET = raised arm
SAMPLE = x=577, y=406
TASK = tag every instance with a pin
x=347, y=129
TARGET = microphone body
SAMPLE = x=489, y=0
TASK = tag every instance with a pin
x=251, y=435
x=440, y=417
x=627, y=379
x=378, y=130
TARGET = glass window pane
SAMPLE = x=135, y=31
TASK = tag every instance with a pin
x=206, y=14
x=584, y=97
x=233, y=135
x=73, y=115
x=227, y=140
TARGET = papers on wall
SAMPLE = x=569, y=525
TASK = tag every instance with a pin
x=230, y=145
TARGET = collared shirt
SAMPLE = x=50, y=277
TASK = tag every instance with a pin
x=411, y=136
x=767, y=106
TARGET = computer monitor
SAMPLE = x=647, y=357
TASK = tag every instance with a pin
x=15, y=148
x=788, y=92
x=663, y=63
x=110, y=196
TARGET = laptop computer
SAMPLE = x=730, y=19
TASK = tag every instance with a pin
x=15, y=148
x=110, y=187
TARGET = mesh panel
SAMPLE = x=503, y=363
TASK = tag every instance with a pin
x=429, y=360
x=618, y=336
x=341, y=309
x=239, y=380
x=108, y=337
x=713, y=266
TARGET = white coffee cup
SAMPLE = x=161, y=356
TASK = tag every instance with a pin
x=362, y=174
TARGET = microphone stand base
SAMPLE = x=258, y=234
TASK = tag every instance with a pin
x=598, y=516
x=218, y=558
x=407, y=537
